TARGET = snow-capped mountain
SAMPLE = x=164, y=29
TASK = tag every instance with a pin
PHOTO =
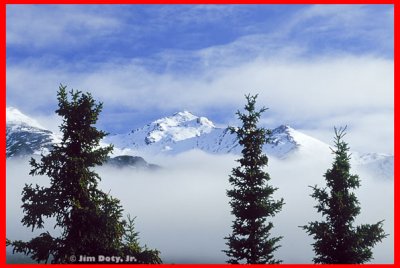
x=15, y=117
x=25, y=135
x=164, y=132
x=182, y=132
x=375, y=164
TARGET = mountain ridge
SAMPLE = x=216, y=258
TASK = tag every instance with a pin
x=181, y=132
x=184, y=131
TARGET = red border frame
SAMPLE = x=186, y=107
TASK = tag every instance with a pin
x=3, y=5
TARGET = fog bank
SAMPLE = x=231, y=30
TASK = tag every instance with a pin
x=182, y=209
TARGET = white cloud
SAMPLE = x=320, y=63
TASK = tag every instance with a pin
x=306, y=93
x=46, y=26
x=183, y=210
x=369, y=131
x=192, y=14
x=310, y=86
x=40, y=26
x=307, y=90
x=370, y=24
x=312, y=91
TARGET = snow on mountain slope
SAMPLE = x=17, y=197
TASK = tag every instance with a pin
x=180, y=126
x=25, y=135
x=375, y=164
x=163, y=133
x=184, y=131
x=15, y=117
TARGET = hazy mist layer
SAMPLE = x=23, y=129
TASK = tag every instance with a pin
x=182, y=210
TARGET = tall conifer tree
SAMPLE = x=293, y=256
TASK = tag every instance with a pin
x=89, y=219
x=337, y=241
x=251, y=196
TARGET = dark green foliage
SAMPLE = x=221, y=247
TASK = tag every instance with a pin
x=89, y=220
x=133, y=249
x=336, y=240
x=251, y=196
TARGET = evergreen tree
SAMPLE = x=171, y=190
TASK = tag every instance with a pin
x=133, y=249
x=251, y=196
x=337, y=241
x=89, y=219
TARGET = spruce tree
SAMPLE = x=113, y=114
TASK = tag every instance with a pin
x=89, y=219
x=132, y=248
x=337, y=241
x=251, y=196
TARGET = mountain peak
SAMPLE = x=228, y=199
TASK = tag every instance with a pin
x=25, y=135
x=184, y=113
x=282, y=129
x=180, y=126
x=16, y=117
x=176, y=119
x=183, y=118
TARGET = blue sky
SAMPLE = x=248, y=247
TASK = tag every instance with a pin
x=314, y=66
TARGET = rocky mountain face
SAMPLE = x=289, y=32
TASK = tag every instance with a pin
x=182, y=132
x=135, y=162
x=24, y=136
